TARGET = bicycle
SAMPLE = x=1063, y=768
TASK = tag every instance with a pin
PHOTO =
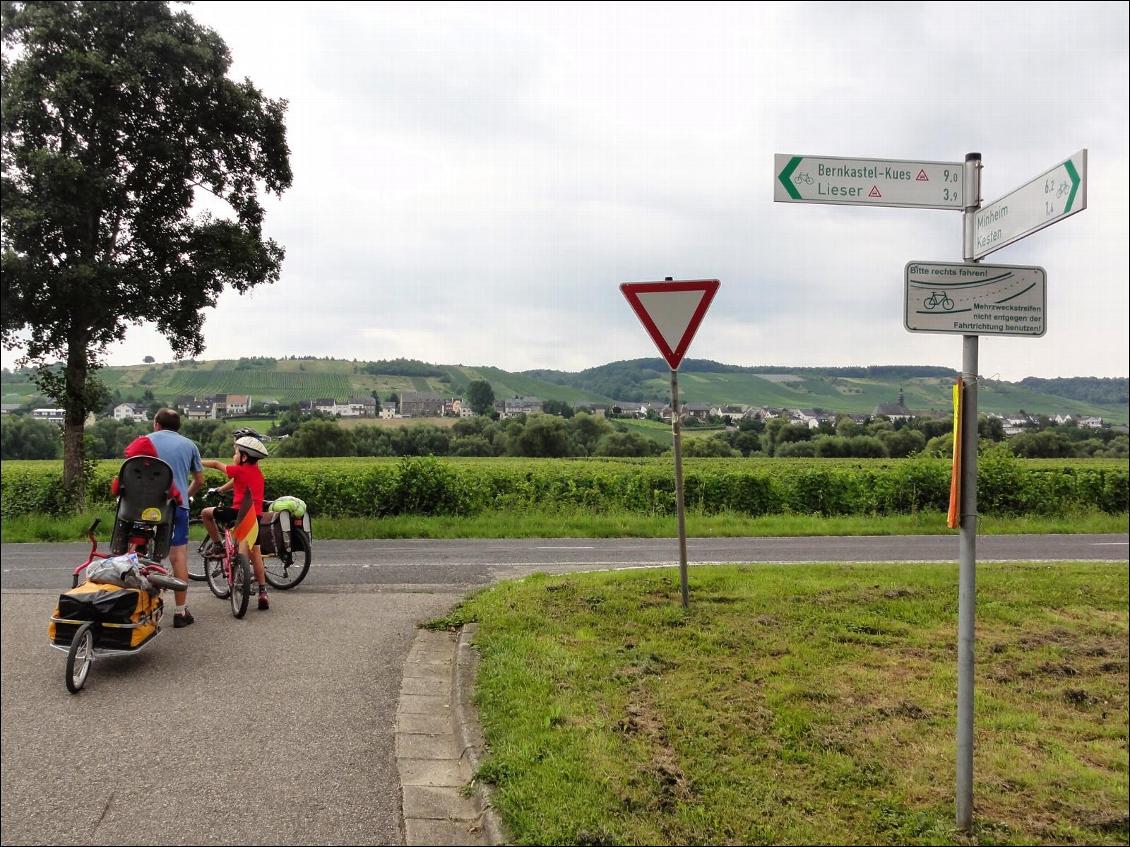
x=287, y=550
x=228, y=575
x=938, y=299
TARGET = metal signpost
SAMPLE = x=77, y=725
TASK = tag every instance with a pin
x=964, y=298
x=867, y=182
x=671, y=312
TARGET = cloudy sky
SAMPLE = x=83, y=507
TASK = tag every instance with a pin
x=472, y=182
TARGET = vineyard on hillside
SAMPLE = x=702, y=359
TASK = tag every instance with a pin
x=284, y=387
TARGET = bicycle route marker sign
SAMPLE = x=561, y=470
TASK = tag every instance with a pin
x=671, y=312
x=974, y=299
x=868, y=182
x=1057, y=193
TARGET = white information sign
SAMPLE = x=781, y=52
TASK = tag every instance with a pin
x=973, y=299
x=1057, y=193
x=867, y=182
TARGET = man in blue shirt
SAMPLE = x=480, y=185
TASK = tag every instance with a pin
x=183, y=456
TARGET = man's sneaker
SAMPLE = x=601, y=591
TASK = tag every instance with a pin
x=264, y=601
x=182, y=620
x=214, y=550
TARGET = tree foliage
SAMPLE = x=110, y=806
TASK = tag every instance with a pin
x=114, y=116
x=480, y=395
x=22, y=437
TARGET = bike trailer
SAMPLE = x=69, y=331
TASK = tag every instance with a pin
x=127, y=617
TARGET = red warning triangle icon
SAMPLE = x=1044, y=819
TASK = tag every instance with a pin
x=922, y=176
x=874, y=192
x=671, y=312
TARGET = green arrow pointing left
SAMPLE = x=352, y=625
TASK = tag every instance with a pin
x=784, y=177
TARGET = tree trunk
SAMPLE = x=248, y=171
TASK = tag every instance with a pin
x=74, y=404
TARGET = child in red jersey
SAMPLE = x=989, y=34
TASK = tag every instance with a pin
x=245, y=479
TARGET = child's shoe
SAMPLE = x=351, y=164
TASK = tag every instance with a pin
x=264, y=601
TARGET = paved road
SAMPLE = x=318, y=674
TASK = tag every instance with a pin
x=466, y=563
x=145, y=755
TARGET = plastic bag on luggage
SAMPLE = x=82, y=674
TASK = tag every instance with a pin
x=123, y=571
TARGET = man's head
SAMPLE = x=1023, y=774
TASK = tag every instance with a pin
x=167, y=419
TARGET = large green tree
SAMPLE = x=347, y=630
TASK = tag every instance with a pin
x=116, y=116
x=480, y=395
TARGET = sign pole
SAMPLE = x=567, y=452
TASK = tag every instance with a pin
x=671, y=313
x=676, y=434
x=967, y=571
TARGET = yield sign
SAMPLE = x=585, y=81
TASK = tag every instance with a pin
x=671, y=312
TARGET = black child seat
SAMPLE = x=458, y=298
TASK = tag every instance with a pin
x=144, y=483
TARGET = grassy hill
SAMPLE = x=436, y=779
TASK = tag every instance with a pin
x=852, y=390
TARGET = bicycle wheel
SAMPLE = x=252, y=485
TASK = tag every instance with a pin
x=79, y=657
x=947, y=304
x=286, y=570
x=240, y=593
x=197, y=568
x=217, y=579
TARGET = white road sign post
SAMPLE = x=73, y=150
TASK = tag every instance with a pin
x=1057, y=193
x=964, y=298
x=868, y=182
x=975, y=299
x=671, y=312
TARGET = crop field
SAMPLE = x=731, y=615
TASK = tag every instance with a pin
x=469, y=486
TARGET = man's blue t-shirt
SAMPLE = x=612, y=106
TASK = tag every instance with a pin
x=180, y=454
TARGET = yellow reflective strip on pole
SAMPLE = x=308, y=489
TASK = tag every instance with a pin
x=954, y=518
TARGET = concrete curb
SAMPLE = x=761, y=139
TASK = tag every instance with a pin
x=437, y=746
x=469, y=733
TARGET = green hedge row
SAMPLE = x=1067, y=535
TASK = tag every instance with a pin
x=427, y=486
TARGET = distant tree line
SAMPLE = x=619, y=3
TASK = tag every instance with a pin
x=401, y=367
x=551, y=436
x=1088, y=389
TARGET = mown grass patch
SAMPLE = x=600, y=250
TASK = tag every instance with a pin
x=803, y=704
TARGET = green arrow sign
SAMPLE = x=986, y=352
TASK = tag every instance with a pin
x=868, y=182
x=1057, y=193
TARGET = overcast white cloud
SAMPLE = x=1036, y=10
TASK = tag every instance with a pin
x=473, y=182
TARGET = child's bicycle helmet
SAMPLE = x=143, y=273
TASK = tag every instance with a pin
x=245, y=431
x=251, y=446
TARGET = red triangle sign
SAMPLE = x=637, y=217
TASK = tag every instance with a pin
x=671, y=312
x=875, y=191
x=922, y=176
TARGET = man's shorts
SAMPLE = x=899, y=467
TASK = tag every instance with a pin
x=180, y=528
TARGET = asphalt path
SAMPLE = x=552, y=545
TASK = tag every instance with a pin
x=279, y=728
x=459, y=564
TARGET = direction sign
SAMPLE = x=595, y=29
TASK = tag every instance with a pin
x=1057, y=193
x=671, y=312
x=973, y=299
x=868, y=182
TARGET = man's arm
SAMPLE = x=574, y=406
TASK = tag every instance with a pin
x=196, y=484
